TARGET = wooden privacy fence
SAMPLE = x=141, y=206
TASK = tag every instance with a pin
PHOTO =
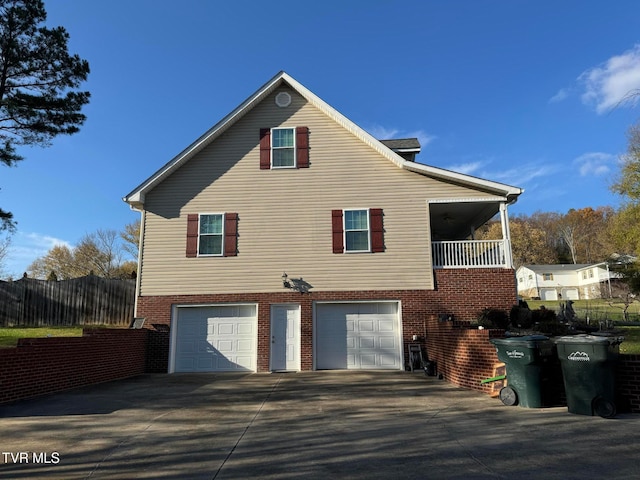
x=89, y=300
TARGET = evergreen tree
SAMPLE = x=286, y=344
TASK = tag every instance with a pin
x=39, y=81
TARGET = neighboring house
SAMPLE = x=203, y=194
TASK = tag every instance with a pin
x=564, y=282
x=288, y=238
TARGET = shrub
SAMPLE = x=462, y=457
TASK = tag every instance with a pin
x=493, y=318
x=546, y=322
x=521, y=317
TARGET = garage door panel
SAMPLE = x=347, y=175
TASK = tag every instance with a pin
x=216, y=338
x=388, y=343
x=367, y=342
x=368, y=361
x=358, y=336
x=388, y=360
x=365, y=326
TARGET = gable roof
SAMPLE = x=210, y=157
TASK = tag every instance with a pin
x=137, y=196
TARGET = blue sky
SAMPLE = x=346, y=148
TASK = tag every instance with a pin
x=521, y=92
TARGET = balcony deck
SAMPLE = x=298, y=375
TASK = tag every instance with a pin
x=471, y=254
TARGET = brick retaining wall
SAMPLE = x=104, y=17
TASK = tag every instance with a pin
x=465, y=356
x=39, y=366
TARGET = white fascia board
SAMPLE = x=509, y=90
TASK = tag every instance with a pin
x=136, y=197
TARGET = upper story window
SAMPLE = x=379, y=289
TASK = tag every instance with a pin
x=591, y=273
x=584, y=275
x=356, y=230
x=211, y=234
x=547, y=276
x=284, y=148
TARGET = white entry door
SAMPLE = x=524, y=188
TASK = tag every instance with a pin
x=285, y=337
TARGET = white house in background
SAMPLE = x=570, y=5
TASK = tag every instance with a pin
x=564, y=282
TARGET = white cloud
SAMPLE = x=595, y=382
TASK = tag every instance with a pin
x=26, y=247
x=384, y=133
x=522, y=174
x=561, y=95
x=467, y=168
x=610, y=84
x=423, y=137
x=595, y=163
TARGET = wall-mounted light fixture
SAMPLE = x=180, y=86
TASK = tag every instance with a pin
x=296, y=284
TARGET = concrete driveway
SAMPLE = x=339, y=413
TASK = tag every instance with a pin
x=305, y=425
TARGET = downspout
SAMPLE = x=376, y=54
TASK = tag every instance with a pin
x=140, y=246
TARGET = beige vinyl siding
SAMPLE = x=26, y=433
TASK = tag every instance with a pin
x=284, y=216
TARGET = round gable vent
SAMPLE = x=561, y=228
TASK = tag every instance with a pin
x=283, y=99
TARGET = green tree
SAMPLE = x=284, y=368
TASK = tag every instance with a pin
x=625, y=227
x=39, y=81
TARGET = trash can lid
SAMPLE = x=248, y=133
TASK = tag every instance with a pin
x=583, y=338
x=529, y=340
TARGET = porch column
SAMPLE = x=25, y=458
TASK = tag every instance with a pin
x=506, y=235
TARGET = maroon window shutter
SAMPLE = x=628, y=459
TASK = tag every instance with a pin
x=265, y=148
x=230, y=234
x=302, y=147
x=338, y=231
x=192, y=235
x=377, y=231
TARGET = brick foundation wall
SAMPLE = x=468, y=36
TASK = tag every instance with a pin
x=39, y=366
x=628, y=382
x=460, y=292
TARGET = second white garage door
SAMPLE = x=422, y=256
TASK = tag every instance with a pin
x=358, y=336
x=217, y=338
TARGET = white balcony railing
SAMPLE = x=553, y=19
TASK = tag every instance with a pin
x=470, y=254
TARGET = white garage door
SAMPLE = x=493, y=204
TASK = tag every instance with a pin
x=570, y=294
x=548, y=294
x=219, y=338
x=358, y=336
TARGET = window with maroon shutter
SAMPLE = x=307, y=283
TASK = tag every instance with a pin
x=265, y=148
x=212, y=235
x=288, y=149
x=192, y=235
x=302, y=147
x=231, y=235
x=377, y=230
x=357, y=231
x=338, y=232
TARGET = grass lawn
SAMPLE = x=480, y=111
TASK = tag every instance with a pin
x=631, y=344
x=9, y=336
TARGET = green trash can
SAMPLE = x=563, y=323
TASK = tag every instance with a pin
x=588, y=367
x=533, y=371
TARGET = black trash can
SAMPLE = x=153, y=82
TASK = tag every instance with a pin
x=534, y=377
x=589, y=370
